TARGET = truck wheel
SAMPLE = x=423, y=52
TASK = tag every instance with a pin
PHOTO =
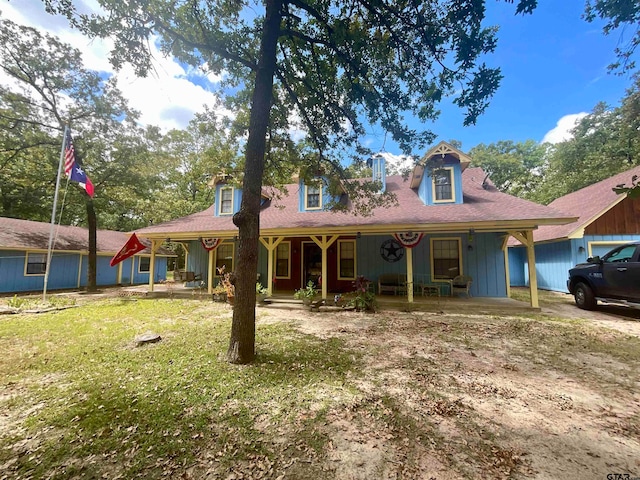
x=584, y=297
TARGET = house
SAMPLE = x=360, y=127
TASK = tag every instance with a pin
x=447, y=222
x=604, y=221
x=23, y=258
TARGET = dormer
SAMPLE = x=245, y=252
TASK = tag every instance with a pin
x=315, y=195
x=227, y=200
x=438, y=176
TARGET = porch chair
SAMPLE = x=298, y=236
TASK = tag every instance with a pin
x=462, y=283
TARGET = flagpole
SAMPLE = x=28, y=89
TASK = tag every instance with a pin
x=53, y=215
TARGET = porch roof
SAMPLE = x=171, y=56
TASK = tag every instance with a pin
x=483, y=208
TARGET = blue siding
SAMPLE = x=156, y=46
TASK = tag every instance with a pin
x=63, y=273
x=484, y=262
x=517, y=266
x=554, y=259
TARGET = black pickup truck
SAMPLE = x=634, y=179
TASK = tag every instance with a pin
x=614, y=278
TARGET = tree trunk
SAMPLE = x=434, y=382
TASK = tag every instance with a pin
x=242, y=343
x=93, y=227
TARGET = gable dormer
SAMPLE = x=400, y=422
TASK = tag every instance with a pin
x=315, y=195
x=227, y=200
x=438, y=176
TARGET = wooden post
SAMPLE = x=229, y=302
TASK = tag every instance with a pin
x=270, y=243
x=324, y=244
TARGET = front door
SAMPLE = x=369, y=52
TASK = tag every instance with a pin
x=311, y=263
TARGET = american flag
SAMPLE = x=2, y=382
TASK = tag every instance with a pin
x=72, y=167
x=69, y=154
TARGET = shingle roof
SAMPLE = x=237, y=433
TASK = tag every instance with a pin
x=587, y=204
x=30, y=235
x=481, y=206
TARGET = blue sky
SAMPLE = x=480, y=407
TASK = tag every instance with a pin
x=554, y=65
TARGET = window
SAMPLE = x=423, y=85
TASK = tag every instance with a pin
x=224, y=257
x=445, y=258
x=144, y=265
x=36, y=263
x=443, y=185
x=313, y=197
x=346, y=259
x=283, y=263
x=623, y=254
x=226, y=201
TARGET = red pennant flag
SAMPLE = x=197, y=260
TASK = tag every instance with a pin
x=130, y=248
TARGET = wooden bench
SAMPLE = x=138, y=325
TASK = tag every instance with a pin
x=395, y=283
x=183, y=276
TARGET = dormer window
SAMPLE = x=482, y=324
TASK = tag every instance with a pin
x=443, y=188
x=313, y=197
x=226, y=201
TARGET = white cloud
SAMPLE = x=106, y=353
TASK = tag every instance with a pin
x=562, y=130
x=165, y=98
x=396, y=164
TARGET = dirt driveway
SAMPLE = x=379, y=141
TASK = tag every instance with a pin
x=466, y=396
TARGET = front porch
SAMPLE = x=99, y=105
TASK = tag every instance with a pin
x=284, y=299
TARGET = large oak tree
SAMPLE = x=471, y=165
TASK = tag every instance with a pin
x=328, y=67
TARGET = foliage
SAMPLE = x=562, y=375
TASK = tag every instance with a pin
x=37, y=303
x=617, y=14
x=603, y=143
x=306, y=293
x=516, y=168
x=362, y=299
x=227, y=281
x=260, y=290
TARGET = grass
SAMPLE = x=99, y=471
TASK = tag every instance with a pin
x=81, y=400
x=547, y=297
x=94, y=404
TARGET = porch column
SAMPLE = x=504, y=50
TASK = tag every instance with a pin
x=526, y=238
x=119, y=274
x=270, y=243
x=324, y=244
x=507, y=275
x=210, y=275
x=155, y=244
x=409, y=253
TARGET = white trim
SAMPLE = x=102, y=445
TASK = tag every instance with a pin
x=222, y=189
x=140, y=257
x=605, y=243
x=460, y=262
x=306, y=196
x=275, y=254
x=26, y=263
x=355, y=256
x=453, y=185
x=233, y=257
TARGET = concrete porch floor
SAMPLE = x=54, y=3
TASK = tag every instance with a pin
x=284, y=299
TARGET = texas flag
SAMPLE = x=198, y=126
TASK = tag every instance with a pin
x=72, y=167
x=130, y=248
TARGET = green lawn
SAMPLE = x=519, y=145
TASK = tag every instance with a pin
x=390, y=395
x=91, y=403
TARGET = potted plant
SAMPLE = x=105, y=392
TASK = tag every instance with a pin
x=306, y=294
x=261, y=292
x=219, y=293
x=227, y=281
